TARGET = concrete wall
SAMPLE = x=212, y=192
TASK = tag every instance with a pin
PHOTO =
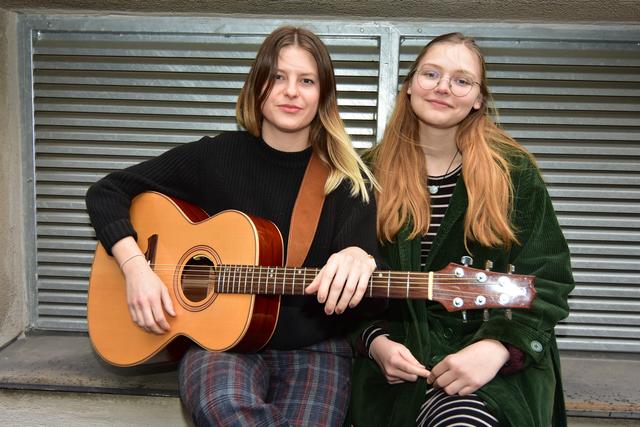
x=13, y=289
x=497, y=10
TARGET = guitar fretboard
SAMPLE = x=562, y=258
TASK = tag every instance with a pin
x=250, y=279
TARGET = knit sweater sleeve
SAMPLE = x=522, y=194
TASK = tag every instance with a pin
x=176, y=173
x=356, y=224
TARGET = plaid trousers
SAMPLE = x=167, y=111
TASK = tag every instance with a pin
x=303, y=387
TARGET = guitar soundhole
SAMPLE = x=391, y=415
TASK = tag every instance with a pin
x=198, y=278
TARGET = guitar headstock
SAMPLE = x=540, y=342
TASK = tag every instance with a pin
x=460, y=287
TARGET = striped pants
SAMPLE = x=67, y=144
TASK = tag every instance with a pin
x=442, y=410
x=305, y=387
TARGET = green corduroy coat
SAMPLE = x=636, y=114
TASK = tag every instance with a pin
x=531, y=397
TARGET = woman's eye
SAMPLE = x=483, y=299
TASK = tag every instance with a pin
x=431, y=74
x=462, y=81
x=279, y=77
x=308, y=82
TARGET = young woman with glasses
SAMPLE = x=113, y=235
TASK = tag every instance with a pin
x=453, y=183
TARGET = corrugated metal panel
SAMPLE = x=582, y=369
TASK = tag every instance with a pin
x=574, y=104
x=112, y=91
x=105, y=101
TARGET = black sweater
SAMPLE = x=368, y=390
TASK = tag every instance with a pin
x=238, y=171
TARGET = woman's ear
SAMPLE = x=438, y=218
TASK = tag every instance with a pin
x=409, y=91
x=478, y=103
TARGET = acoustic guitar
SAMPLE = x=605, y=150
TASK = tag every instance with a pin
x=225, y=279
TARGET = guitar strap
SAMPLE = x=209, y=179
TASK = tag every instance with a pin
x=306, y=211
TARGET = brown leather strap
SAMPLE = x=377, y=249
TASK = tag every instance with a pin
x=306, y=211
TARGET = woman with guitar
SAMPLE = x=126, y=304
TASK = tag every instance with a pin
x=454, y=184
x=289, y=110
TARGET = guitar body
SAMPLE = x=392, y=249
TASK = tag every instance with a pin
x=179, y=240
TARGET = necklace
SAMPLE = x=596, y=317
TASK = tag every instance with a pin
x=434, y=188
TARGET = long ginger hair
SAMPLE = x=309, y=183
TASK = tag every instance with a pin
x=400, y=168
x=327, y=133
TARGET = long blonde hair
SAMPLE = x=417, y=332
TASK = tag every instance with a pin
x=327, y=134
x=400, y=167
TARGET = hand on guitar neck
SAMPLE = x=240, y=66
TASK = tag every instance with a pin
x=345, y=276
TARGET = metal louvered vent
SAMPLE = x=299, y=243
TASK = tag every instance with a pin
x=105, y=101
x=109, y=92
x=574, y=104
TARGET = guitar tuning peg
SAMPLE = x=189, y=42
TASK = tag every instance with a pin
x=466, y=260
x=488, y=265
x=511, y=268
x=464, y=316
x=508, y=314
x=485, y=315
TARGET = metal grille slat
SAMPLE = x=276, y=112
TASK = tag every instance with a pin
x=66, y=321
x=592, y=344
x=62, y=310
x=600, y=221
x=604, y=249
x=599, y=277
x=49, y=94
x=72, y=244
x=599, y=331
x=599, y=318
x=615, y=291
x=59, y=284
x=578, y=303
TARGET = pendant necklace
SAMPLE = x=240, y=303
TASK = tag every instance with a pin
x=434, y=188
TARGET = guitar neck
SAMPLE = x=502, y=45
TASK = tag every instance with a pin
x=249, y=279
x=456, y=287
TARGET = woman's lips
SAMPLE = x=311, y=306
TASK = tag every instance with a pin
x=289, y=108
x=439, y=103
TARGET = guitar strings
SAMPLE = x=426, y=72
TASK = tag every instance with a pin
x=284, y=279
x=237, y=288
x=294, y=271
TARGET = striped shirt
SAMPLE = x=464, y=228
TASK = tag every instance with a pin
x=443, y=186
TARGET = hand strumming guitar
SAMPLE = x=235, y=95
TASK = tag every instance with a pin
x=147, y=296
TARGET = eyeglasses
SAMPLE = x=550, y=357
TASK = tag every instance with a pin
x=459, y=84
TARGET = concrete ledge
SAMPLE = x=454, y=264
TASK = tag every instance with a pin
x=67, y=363
x=602, y=385
x=22, y=408
x=596, y=386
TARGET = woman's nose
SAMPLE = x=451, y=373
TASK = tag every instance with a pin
x=291, y=89
x=443, y=84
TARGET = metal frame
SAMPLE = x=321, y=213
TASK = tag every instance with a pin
x=390, y=35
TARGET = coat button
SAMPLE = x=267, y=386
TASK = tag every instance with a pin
x=536, y=346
